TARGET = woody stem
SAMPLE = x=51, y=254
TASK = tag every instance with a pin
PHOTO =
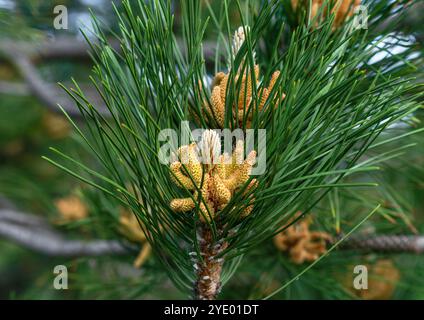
x=208, y=272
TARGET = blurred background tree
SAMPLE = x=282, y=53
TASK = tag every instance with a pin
x=29, y=125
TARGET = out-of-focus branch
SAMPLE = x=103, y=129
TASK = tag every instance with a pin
x=23, y=219
x=388, y=243
x=24, y=57
x=22, y=89
x=34, y=232
x=72, y=48
x=49, y=95
x=408, y=19
x=14, y=88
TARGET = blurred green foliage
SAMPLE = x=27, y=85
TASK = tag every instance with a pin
x=33, y=185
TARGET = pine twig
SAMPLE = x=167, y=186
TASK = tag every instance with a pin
x=209, y=268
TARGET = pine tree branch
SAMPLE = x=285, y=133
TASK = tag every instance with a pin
x=385, y=243
x=47, y=94
x=35, y=233
x=24, y=219
x=24, y=56
x=14, y=88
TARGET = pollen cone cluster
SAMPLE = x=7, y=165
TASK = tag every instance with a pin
x=243, y=106
x=342, y=9
x=302, y=244
x=212, y=184
x=71, y=208
x=130, y=228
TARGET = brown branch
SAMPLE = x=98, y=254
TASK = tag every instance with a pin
x=385, y=243
x=209, y=267
x=35, y=233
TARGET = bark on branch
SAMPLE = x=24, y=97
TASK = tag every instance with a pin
x=209, y=267
x=33, y=232
x=385, y=243
x=24, y=57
